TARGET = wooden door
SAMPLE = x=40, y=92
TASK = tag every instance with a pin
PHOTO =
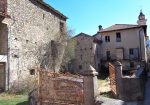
x=2, y=77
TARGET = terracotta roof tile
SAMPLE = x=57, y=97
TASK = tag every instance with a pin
x=50, y=8
x=119, y=27
x=82, y=34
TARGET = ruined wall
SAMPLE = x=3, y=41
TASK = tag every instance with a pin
x=134, y=89
x=84, y=53
x=31, y=32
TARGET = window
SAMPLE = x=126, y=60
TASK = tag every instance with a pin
x=108, y=55
x=132, y=64
x=131, y=51
x=61, y=27
x=118, y=37
x=80, y=67
x=27, y=41
x=43, y=16
x=54, y=49
x=107, y=39
x=81, y=57
x=32, y=71
x=78, y=43
x=134, y=53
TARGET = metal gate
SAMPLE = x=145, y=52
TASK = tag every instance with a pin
x=112, y=76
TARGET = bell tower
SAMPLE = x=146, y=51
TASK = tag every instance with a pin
x=141, y=19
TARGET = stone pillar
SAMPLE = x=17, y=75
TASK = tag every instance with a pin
x=90, y=86
x=119, y=79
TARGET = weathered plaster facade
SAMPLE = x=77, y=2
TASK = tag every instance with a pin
x=124, y=42
x=127, y=38
x=33, y=27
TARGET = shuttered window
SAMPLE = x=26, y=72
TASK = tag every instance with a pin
x=133, y=53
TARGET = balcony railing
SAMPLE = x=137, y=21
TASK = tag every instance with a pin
x=133, y=57
x=111, y=58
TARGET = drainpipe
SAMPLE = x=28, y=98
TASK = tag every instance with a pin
x=140, y=44
x=7, y=63
x=145, y=68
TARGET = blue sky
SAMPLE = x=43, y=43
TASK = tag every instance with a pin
x=86, y=15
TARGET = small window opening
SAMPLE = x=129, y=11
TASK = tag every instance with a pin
x=43, y=16
x=107, y=38
x=27, y=41
x=61, y=27
x=131, y=52
x=80, y=67
x=132, y=64
x=32, y=71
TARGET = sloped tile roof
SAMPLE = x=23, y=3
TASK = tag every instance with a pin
x=82, y=34
x=49, y=7
x=120, y=27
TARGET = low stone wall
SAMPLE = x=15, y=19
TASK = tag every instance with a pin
x=130, y=88
x=133, y=89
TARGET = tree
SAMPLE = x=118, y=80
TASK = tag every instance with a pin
x=69, y=54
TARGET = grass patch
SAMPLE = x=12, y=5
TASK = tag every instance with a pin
x=12, y=99
x=103, y=83
x=104, y=86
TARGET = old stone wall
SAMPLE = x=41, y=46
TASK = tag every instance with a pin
x=84, y=54
x=134, y=89
x=32, y=31
x=129, y=88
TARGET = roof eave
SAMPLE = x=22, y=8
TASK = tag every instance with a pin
x=102, y=31
x=81, y=34
x=50, y=7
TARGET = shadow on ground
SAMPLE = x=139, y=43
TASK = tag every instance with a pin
x=108, y=94
x=23, y=103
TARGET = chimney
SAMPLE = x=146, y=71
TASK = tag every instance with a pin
x=100, y=27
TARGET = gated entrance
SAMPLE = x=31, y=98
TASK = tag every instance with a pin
x=112, y=76
x=2, y=77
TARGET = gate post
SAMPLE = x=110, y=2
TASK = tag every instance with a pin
x=90, y=86
x=119, y=79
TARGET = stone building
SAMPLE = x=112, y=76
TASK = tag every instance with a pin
x=84, y=52
x=30, y=30
x=123, y=42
